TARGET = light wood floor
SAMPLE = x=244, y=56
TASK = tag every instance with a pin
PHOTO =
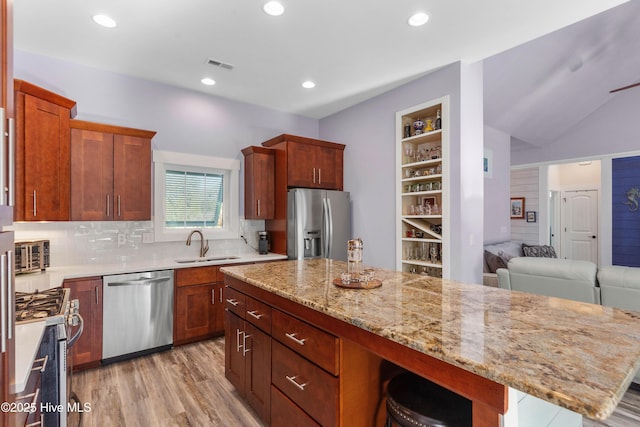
x=186, y=387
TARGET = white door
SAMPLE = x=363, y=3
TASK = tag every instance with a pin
x=580, y=225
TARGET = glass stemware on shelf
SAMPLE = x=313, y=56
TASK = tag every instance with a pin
x=413, y=155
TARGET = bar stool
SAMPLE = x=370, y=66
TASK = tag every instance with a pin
x=412, y=401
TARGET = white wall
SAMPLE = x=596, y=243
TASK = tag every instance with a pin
x=497, y=226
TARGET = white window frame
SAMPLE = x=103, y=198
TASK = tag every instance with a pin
x=163, y=160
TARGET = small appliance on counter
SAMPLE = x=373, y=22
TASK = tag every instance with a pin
x=32, y=256
x=263, y=242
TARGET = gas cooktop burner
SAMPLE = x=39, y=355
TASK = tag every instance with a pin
x=39, y=305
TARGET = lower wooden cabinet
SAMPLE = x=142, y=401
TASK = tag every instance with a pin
x=305, y=375
x=198, y=304
x=248, y=363
x=87, y=351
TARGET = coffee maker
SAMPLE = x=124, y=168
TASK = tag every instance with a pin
x=263, y=242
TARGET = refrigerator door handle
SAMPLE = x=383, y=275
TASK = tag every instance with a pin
x=328, y=232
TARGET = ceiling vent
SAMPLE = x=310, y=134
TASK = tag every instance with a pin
x=219, y=64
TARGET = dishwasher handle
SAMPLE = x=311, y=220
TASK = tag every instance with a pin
x=141, y=281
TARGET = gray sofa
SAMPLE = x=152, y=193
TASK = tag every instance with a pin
x=611, y=286
x=562, y=278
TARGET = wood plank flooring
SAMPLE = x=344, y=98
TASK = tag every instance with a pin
x=186, y=387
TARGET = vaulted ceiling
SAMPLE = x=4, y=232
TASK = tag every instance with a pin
x=352, y=49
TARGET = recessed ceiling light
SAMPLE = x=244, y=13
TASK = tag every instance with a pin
x=418, y=19
x=308, y=84
x=104, y=20
x=207, y=81
x=273, y=8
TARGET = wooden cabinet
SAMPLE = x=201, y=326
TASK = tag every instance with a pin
x=248, y=351
x=314, y=166
x=42, y=154
x=300, y=162
x=422, y=140
x=309, y=376
x=308, y=162
x=110, y=172
x=198, y=304
x=259, y=181
x=87, y=351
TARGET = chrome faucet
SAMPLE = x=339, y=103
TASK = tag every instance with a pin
x=204, y=247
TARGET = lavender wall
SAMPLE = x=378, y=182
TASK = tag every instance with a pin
x=185, y=121
x=497, y=226
x=610, y=129
x=368, y=130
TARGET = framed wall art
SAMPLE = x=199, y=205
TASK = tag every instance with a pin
x=531, y=216
x=517, y=208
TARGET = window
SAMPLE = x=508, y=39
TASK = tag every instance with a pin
x=195, y=192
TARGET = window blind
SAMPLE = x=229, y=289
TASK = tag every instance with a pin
x=193, y=199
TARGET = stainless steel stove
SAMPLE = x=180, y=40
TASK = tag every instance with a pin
x=51, y=305
x=64, y=326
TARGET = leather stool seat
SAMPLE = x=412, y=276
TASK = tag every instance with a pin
x=413, y=401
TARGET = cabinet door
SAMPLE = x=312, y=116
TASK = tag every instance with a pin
x=301, y=170
x=257, y=355
x=47, y=161
x=259, y=186
x=132, y=177
x=88, y=291
x=234, y=366
x=195, y=312
x=329, y=168
x=91, y=175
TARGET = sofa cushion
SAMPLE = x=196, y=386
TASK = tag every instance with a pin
x=568, y=269
x=541, y=251
x=509, y=248
x=619, y=276
x=494, y=261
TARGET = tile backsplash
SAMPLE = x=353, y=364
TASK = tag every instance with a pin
x=105, y=242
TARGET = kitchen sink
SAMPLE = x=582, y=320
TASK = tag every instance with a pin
x=205, y=259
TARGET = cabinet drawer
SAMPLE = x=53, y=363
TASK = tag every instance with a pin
x=235, y=301
x=286, y=413
x=316, y=345
x=196, y=275
x=259, y=314
x=311, y=388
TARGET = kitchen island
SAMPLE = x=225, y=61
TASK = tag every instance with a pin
x=474, y=340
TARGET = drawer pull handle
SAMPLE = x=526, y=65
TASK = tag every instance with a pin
x=244, y=344
x=233, y=302
x=44, y=361
x=238, y=345
x=293, y=381
x=296, y=340
x=255, y=315
x=33, y=396
x=37, y=423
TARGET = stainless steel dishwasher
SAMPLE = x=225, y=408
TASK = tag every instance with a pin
x=137, y=311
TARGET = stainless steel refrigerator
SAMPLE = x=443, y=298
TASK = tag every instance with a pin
x=318, y=223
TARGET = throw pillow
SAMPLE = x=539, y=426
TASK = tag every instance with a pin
x=543, y=251
x=494, y=262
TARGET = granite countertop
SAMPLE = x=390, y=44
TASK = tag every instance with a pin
x=576, y=355
x=54, y=276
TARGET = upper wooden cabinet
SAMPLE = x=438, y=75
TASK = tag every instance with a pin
x=42, y=154
x=300, y=162
x=310, y=163
x=110, y=172
x=259, y=178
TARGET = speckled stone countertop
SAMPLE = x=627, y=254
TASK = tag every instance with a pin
x=577, y=355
